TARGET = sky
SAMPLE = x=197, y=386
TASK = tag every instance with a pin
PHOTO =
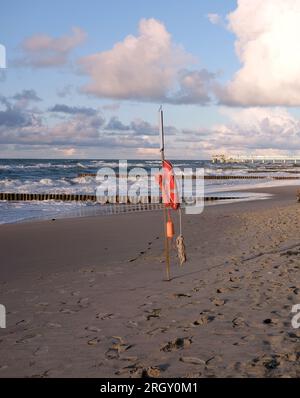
x=85, y=79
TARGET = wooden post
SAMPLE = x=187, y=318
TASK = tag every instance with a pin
x=162, y=151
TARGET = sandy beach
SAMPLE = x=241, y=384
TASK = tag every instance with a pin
x=85, y=297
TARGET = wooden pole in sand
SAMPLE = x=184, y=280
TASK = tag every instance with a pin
x=162, y=151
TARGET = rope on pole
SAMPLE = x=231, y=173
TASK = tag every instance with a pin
x=180, y=242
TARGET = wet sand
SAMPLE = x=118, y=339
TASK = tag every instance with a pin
x=87, y=297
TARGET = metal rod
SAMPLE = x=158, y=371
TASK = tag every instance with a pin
x=162, y=151
x=161, y=132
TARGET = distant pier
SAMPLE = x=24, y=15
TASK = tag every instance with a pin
x=254, y=159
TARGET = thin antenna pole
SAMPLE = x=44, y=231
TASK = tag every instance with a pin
x=162, y=133
x=162, y=151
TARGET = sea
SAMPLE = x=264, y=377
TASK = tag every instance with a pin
x=73, y=177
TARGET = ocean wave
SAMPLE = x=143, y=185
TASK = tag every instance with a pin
x=46, y=181
x=63, y=176
x=82, y=166
x=40, y=166
x=104, y=163
x=46, y=185
x=84, y=180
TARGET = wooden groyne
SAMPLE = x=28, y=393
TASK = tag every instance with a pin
x=26, y=197
x=286, y=178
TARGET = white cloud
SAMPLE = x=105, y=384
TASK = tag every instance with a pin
x=66, y=151
x=148, y=67
x=256, y=129
x=76, y=127
x=42, y=51
x=269, y=49
x=145, y=152
x=215, y=19
x=194, y=87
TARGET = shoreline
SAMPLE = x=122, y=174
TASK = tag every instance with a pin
x=86, y=297
x=257, y=192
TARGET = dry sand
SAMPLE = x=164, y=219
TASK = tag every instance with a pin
x=86, y=297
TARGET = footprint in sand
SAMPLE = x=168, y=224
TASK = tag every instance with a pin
x=270, y=321
x=23, y=322
x=105, y=316
x=118, y=347
x=222, y=290
x=292, y=356
x=238, y=322
x=27, y=338
x=245, y=340
x=294, y=289
x=218, y=302
x=213, y=361
x=268, y=363
x=87, y=270
x=41, y=375
x=132, y=260
x=192, y=360
x=132, y=324
x=200, y=286
x=181, y=295
x=94, y=341
x=177, y=344
x=155, y=313
x=43, y=350
x=83, y=302
x=67, y=311
x=234, y=279
x=93, y=329
x=154, y=371
x=204, y=320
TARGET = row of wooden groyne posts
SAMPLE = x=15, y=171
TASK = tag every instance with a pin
x=222, y=177
x=25, y=197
